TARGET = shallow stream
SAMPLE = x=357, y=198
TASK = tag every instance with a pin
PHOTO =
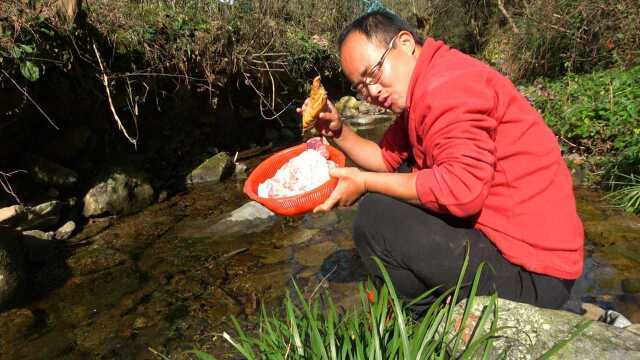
x=166, y=279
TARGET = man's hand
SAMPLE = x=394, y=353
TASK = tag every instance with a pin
x=329, y=123
x=351, y=186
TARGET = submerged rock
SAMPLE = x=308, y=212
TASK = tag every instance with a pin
x=249, y=218
x=528, y=332
x=14, y=324
x=119, y=194
x=11, y=268
x=314, y=255
x=213, y=169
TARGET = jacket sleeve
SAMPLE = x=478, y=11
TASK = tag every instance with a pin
x=459, y=131
x=395, y=144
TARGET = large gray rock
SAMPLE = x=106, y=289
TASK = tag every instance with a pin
x=119, y=194
x=212, y=170
x=41, y=216
x=51, y=174
x=11, y=267
x=530, y=331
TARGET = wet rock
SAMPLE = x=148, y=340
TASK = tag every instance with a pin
x=14, y=324
x=213, y=169
x=38, y=234
x=365, y=108
x=241, y=171
x=530, y=331
x=249, y=218
x=343, y=266
x=93, y=259
x=163, y=196
x=119, y=194
x=42, y=216
x=346, y=103
x=65, y=231
x=51, y=174
x=39, y=245
x=592, y=311
x=11, y=215
x=264, y=284
x=314, y=255
x=320, y=220
x=294, y=237
x=634, y=328
x=91, y=229
x=631, y=286
x=11, y=267
x=269, y=255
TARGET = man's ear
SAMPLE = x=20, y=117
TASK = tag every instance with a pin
x=406, y=42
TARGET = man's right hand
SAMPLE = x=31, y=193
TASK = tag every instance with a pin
x=328, y=123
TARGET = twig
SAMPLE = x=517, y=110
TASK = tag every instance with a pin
x=506, y=14
x=6, y=185
x=105, y=81
x=324, y=279
x=30, y=99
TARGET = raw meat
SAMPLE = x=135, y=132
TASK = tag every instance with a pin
x=302, y=173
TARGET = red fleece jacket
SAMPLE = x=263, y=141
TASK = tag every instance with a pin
x=480, y=149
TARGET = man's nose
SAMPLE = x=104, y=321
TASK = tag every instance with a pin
x=374, y=90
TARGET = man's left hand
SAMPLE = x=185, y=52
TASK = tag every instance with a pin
x=351, y=186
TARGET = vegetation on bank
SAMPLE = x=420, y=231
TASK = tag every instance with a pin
x=265, y=51
x=597, y=115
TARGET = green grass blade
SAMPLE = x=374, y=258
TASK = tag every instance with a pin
x=317, y=344
x=577, y=330
x=293, y=322
x=398, y=309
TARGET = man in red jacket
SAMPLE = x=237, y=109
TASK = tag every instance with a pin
x=486, y=171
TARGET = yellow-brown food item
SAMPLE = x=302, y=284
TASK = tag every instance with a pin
x=317, y=101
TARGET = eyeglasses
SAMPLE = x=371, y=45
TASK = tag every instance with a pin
x=373, y=75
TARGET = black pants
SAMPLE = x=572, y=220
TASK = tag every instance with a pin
x=421, y=250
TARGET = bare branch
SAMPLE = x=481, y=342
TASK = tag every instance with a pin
x=506, y=14
x=105, y=81
x=30, y=99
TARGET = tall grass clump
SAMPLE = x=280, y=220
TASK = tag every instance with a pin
x=626, y=192
x=381, y=327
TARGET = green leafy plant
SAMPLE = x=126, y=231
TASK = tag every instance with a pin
x=627, y=193
x=597, y=115
x=382, y=327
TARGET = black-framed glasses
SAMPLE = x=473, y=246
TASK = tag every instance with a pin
x=373, y=75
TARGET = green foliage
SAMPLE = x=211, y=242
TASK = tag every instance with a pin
x=555, y=37
x=380, y=328
x=596, y=114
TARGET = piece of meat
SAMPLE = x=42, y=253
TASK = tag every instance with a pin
x=302, y=173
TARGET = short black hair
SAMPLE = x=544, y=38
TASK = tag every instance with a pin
x=380, y=25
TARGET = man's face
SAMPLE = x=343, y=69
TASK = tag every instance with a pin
x=359, y=54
